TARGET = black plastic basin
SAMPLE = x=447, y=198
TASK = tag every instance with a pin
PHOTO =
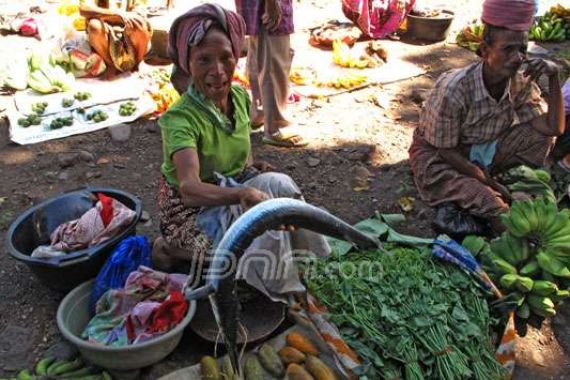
x=33, y=227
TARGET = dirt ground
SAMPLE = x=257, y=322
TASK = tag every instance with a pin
x=355, y=138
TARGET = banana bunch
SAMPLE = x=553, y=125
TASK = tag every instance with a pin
x=561, y=11
x=550, y=27
x=47, y=77
x=532, y=258
x=344, y=56
x=50, y=368
x=345, y=81
x=532, y=182
x=471, y=36
x=301, y=75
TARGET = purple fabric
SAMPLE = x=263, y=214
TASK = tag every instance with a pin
x=252, y=10
x=566, y=95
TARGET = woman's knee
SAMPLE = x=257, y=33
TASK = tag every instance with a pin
x=277, y=184
x=95, y=26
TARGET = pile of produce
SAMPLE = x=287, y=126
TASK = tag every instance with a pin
x=532, y=182
x=553, y=26
x=67, y=102
x=344, y=56
x=50, y=368
x=97, y=116
x=299, y=359
x=345, y=81
x=46, y=77
x=32, y=119
x=60, y=122
x=127, y=108
x=39, y=108
x=471, y=36
x=82, y=95
x=413, y=319
x=532, y=258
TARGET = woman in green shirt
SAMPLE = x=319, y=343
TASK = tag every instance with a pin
x=209, y=176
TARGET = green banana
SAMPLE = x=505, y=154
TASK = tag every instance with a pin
x=502, y=250
x=83, y=371
x=543, y=288
x=528, y=210
x=55, y=365
x=552, y=265
x=517, y=222
x=508, y=281
x=43, y=364
x=541, y=305
x=523, y=311
x=25, y=375
x=543, y=175
x=107, y=376
x=524, y=284
x=504, y=266
x=68, y=367
x=560, y=295
x=530, y=269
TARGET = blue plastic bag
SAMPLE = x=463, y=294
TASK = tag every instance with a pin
x=129, y=254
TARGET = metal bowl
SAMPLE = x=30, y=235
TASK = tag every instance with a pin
x=430, y=28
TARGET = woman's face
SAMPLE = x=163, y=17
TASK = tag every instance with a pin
x=212, y=65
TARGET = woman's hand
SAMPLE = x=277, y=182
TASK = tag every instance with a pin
x=249, y=197
x=263, y=166
x=132, y=20
x=271, y=18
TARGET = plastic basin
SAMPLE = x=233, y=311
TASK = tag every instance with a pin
x=430, y=28
x=72, y=318
x=33, y=227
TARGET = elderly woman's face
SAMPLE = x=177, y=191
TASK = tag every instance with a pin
x=212, y=65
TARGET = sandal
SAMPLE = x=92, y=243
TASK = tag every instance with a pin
x=278, y=139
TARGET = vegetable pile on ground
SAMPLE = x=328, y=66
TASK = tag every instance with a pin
x=46, y=77
x=51, y=368
x=298, y=360
x=532, y=258
x=413, y=319
x=471, y=36
x=532, y=182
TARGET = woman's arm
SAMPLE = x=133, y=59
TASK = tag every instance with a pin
x=114, y=17
x=89, y=11
x=196, y=193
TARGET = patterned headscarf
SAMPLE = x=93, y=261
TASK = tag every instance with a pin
x=514, y=15
x=190, y=28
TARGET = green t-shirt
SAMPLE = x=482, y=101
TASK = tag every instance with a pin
x=186, y=125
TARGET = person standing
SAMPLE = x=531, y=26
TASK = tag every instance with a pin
x=269, y=24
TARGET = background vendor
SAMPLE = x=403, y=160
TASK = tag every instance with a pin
x=487, y=117
x=118, y=31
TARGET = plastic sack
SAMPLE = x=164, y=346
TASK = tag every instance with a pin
x=126, y=258
x=453, y=221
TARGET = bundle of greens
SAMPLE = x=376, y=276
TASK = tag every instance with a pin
x=408, y=316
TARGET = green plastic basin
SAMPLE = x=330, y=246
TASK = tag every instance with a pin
x=73, y=316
